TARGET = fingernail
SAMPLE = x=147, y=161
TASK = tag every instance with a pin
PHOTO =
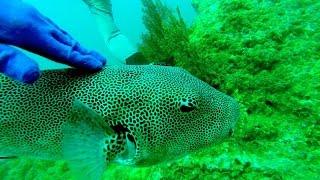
x=31, y=76
x=103, y=61
x=100, y=61
x=96, y=65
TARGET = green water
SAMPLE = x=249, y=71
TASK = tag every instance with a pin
x=265, y=54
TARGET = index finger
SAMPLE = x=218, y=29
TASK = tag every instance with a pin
x=18, y=66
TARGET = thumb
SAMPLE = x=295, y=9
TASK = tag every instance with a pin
x=18, y=66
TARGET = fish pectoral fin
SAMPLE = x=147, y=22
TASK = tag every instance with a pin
x=82, y=112
x=84, y=142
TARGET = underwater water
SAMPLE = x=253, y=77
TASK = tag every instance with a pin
x=263, y=53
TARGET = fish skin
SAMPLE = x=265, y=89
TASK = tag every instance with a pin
x=166, y=111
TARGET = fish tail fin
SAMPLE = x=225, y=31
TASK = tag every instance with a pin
x=85, y=134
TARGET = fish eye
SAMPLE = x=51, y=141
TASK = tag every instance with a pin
x=184, y=108
x=187, y=105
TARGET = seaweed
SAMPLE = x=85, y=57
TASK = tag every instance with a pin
x=167, y=33
x=266, y=55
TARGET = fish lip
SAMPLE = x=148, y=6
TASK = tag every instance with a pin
x=8, y=157
x=234, y=116
x=231, y=132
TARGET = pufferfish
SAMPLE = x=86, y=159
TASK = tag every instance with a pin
x=133, y=115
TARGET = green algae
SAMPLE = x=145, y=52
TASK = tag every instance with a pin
x=167, y=33
x=266, y=55
x=263, y=53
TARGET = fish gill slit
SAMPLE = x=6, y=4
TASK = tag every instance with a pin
x=122, y=129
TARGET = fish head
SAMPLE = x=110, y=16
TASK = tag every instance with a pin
x=178, y=114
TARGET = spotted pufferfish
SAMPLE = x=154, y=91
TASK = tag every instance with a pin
x=133, y=115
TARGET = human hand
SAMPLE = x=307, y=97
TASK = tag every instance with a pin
x=23, y=26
